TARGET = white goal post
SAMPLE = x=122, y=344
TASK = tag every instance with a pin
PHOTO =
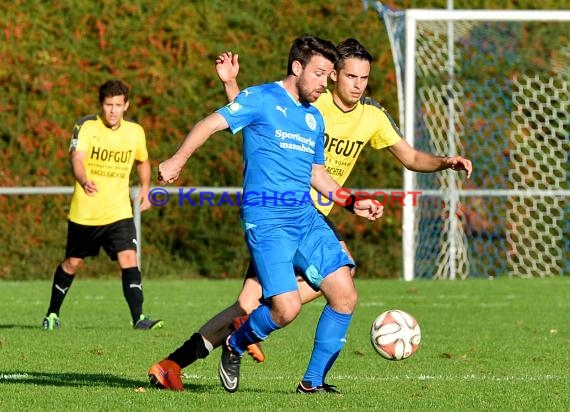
x=494, y=86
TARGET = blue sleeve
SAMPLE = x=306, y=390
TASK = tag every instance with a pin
x=243, y=110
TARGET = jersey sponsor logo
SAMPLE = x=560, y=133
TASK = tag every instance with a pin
x=234, y=107
x=105, y=155
x=282, y=110
x=301, y=144
x=282, y=134
x=246, y=92
x=311, y=121
x=344, y=147
x=335, y=171
x=108, y=173
x=298, y=147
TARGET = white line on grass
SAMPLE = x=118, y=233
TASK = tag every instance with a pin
x=13, y=376
x=471, y=377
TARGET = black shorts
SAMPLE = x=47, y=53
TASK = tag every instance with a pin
x=83, y=241
x=250, y=273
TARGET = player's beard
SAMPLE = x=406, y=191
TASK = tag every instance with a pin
x=307, y=94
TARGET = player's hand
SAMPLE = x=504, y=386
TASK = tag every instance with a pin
x=169, y=171
x=142, y=200
x=89, y=187
x=369, y=209
x=460, y=163
x=227, y=66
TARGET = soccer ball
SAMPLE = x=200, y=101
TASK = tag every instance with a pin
x=395, y=335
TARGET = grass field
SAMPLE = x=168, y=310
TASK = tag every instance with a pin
x=486, y=346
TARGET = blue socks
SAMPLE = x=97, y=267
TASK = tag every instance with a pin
x=330, y=338
x=257, y=327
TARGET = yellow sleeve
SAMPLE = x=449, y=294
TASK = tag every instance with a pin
x=387, y=133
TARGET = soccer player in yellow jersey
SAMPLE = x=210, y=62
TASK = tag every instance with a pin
x=352, y=121
x=103, y=150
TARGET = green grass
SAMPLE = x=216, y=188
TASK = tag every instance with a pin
x=486, y=345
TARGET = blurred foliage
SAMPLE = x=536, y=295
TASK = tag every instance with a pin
x=53, y=57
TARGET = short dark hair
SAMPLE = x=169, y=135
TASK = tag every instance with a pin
x=351, y=48
x=305, y=47
x=113, y=88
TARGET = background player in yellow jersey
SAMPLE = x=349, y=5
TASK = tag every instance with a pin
x=103, y=150
x=351, y=122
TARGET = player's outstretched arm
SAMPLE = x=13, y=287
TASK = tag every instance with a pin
x=460, y=163
x=419, y=161
x=169, y=170
x=328, y=187
x=227, y=67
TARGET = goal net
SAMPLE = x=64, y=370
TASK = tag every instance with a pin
x=493, y=86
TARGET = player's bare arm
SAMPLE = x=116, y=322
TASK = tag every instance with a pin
x=78, y=169
x=169, y=170
x=143, y=170
x=419, y=161
x=227, y=67
x=327, y=186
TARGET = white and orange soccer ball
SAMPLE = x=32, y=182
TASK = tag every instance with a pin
x=395, y=335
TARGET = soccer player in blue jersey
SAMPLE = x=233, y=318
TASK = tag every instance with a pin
x=283, y=138
x=351, y=120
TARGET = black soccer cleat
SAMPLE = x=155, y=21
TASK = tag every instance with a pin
x=144, y=323
x=228, y=369
x=306, y=387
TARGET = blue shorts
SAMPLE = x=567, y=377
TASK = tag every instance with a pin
x=279, y=247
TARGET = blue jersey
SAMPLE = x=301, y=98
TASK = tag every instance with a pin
x=282, y=139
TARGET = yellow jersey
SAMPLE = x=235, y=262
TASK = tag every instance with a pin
x=109, y=158
x=347, y=133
